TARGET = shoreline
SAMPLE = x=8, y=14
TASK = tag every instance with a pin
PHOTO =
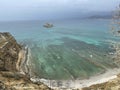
x=25, y=63
x=79, y=84
x=68, y=84
x=14, y=68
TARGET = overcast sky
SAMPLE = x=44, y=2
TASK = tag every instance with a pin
x=47, y=9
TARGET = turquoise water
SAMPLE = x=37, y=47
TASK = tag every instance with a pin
x=72, y=49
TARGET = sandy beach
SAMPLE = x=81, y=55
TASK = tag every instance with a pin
x=78, y=84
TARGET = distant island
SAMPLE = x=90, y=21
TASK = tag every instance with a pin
x=100, y=17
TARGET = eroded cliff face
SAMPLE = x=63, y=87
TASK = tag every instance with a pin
x=11, y=56
x=9, y=50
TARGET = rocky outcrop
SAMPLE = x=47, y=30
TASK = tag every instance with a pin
x=17, y=81
x=48, y=25
x=9, y=50
x=12, y=58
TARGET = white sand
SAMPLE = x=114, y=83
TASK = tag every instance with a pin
x=74, y=84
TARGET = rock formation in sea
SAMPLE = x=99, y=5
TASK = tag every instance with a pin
x=48, y=25
x=12, y=59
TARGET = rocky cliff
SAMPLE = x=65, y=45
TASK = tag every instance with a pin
x=9, y=50
x=11, y=56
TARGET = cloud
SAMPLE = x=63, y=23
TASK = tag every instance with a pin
x=30, y=9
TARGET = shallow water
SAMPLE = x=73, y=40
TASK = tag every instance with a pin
x=72, y=49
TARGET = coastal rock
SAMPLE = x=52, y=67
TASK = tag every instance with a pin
x=12, y=58
x=17, y=81
x=9, y=50
x=48, y=25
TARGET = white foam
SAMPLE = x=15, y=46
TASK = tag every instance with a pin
x=74, y=84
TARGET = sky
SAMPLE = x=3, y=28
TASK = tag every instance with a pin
x=52, y=9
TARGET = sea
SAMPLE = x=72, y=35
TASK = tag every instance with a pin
x=70, y=50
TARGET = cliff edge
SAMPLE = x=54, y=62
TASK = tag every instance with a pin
x=9, y=50
x=10, y=63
